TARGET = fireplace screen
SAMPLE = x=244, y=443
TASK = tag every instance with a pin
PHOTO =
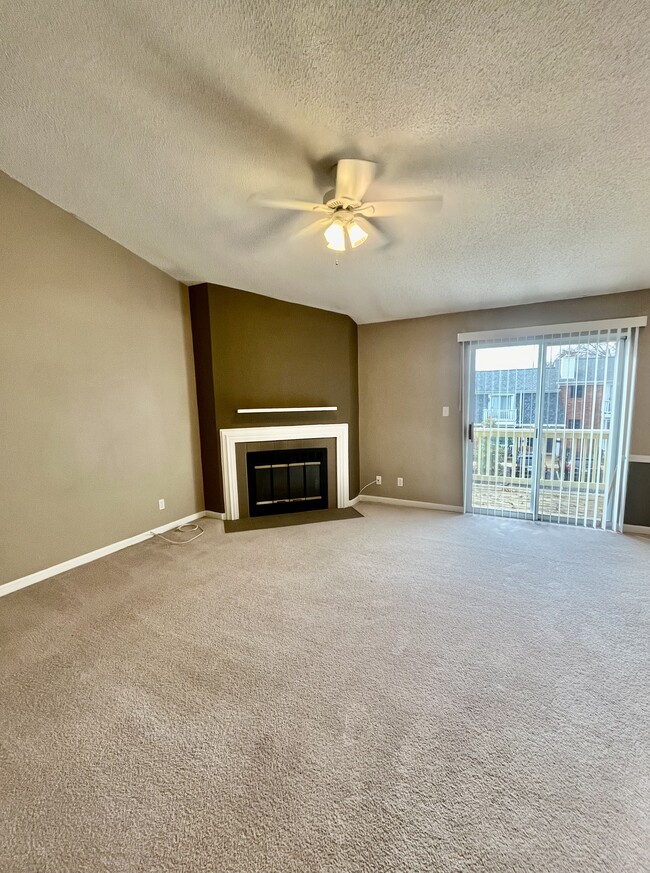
x=287, y=480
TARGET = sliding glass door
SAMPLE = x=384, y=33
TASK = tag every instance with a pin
x=546, y=427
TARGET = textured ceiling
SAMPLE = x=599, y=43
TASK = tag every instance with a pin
x=155, y=121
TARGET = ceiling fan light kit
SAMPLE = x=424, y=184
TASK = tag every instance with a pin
x=342, y=230
x=346, y=218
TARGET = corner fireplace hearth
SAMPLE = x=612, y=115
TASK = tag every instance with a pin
x=286, y=480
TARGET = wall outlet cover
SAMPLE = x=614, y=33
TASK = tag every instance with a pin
x=161, y=503
x=400, y=482
x=377, y=480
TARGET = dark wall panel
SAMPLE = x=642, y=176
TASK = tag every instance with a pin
x=202, y=344
x=266, y=352
x=637, y=502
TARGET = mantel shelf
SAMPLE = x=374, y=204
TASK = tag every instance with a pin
x=289, y=409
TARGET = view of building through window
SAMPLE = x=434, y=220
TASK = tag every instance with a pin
x=556, y=422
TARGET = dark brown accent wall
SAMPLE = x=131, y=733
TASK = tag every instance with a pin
x=637, y=503
x=202, y=343
x=255, y=351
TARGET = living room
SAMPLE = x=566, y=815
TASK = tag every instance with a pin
x=326, y=436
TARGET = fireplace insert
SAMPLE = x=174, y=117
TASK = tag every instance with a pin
x=286, y=480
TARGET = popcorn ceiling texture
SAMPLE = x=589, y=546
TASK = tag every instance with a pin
x=155, y=122
x=410, y=692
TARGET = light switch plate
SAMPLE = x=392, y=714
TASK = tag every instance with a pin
x=445, y=411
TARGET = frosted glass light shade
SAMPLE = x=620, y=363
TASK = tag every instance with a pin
x=335, y=236
x=357, y=234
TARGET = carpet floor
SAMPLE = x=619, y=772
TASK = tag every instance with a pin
x=415, y=691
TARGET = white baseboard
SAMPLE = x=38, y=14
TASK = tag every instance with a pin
x=80, y=560
x=636, y=529
x=33, y=578
x=414, y=504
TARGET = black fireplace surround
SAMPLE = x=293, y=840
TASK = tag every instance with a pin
x=286, y=480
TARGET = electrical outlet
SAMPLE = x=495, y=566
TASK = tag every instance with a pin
x=377, y=480
x=161, y=503
x=400, y=482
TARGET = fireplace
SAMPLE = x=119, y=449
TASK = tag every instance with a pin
x=238, y=443
x=286, y=480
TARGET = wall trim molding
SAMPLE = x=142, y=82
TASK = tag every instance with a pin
x=80, y=560
x=209, y=513
x=639, y=459
x=414, y=504
x=636, y=529
x=229, y=437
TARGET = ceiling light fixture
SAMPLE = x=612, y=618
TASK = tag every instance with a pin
x=335, y=236
x=343, y=230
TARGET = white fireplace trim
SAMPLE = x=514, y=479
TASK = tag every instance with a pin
x=229, y=438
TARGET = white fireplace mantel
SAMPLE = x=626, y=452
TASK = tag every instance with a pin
x=231, y=436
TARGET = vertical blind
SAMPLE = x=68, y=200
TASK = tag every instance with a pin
x=552, y=441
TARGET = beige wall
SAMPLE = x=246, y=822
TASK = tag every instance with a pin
x=409, y=370
x=97, y=408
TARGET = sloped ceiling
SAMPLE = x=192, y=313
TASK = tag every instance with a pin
x=155, y=121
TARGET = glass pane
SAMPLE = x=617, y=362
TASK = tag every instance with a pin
x=576, y=418
x=312, y=480
x=263, y=488
x=297, y=481
x=504, y=404
x=280, y=475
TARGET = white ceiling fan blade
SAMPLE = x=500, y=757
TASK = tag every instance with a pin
x=388, y=208
x=300, y=205
x=375, y=237
x=353, y=179
x=317, y=226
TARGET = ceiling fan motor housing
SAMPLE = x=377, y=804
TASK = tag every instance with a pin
x=341, y=205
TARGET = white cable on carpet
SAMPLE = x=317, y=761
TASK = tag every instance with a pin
x=374, y=482
x=183, y=528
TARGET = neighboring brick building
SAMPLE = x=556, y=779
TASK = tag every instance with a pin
x=578, y=394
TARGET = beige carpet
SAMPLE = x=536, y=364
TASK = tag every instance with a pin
x=412, y=692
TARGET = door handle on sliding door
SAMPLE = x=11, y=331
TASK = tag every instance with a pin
x=470, y=433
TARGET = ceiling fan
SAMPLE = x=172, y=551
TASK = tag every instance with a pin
x=346, y=220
